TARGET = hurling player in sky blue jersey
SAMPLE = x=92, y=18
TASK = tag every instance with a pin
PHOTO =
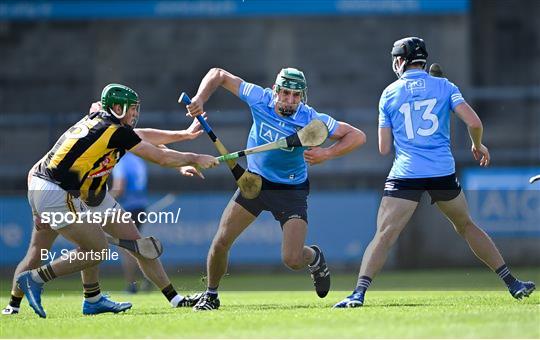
x=276, y=113
x=414, y=112
x=129, y=188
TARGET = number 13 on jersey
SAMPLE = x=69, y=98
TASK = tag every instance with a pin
x=427, y=106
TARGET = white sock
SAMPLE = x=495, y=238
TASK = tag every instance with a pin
x=316, y=259
x=11, y=307
x=314, y=265
x=35, y=276
x=176, y=300
x=93, y=299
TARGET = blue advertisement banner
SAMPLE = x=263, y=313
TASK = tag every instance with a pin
x=503, y=201
x=342, y=223
x=99, y=9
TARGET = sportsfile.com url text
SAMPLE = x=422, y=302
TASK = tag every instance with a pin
x=109, y=216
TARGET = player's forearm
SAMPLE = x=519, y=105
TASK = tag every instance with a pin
x=160, y=137
x=174, y=159
x=475, y=132
x=350, y=141
x=466, y=113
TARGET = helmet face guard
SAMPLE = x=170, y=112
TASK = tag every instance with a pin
x=135, y=118
x=118, y=94
x=293, y=80
x=412, y=50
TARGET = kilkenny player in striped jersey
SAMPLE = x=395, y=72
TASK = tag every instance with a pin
x=71, y=179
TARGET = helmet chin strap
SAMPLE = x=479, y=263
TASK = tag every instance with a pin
x=398, y=70
x=111, y=111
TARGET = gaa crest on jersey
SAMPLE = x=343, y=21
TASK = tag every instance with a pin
x=271, y=134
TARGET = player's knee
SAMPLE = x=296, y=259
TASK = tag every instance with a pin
x=101, y=246
x=460, y=229
x=387, y=237
x=220, y=245
x=131, y=232
x=463, y=227
x=294, y=262
x=126, y=231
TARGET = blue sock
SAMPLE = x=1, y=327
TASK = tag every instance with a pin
x=362, y=284
x=505, y=275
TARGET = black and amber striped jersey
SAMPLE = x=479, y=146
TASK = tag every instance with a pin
x=82, y=159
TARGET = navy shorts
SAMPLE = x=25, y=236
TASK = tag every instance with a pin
x=443, y=188
x=284, y=201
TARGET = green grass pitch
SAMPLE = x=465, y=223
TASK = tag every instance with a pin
x=468, y=303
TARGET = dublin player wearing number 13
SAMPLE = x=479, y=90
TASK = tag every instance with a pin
x=415, y=111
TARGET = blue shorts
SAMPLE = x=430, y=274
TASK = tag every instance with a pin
x=443, y=188
x=284, y=201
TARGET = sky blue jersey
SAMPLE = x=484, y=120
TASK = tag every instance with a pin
x=286, y=165
x=417, y=107
x=132, y=170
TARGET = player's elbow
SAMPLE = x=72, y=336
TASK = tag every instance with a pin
x=218, y=74
x=354, y=136
x=360, y=137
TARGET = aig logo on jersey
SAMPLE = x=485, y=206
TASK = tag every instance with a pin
x=271, y=134
x=416, y=84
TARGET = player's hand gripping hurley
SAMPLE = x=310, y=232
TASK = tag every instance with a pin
x=313, y=134
x=249, y=183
